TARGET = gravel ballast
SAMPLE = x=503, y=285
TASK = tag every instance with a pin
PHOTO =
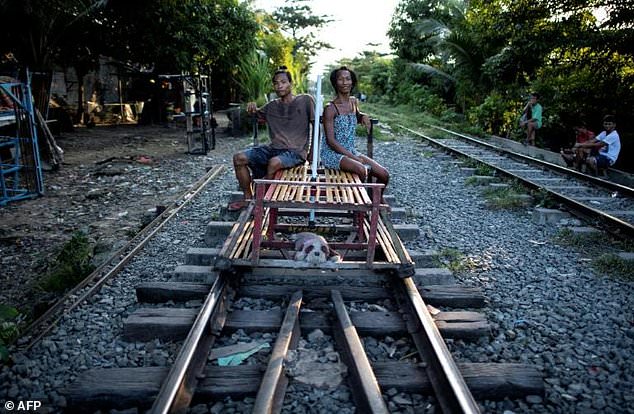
x=546, y=305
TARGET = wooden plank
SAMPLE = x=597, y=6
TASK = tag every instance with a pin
x=494, y=381
x=117, y=388
x=455, y=296
x=272, y=292
x=292, y=264
x=371, y=289
x=356, y=276
x=174, y=323
x=122, y=388
x=165, y=323
x=158, y=292
x=273, y=387
x=365, y=389
x=232, y=381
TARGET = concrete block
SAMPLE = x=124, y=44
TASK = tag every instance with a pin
x=201, y=256
x=407, y=232
x=196, y=274
x=548, y=216
x=235, y=196
x=398, y=213
x=434, y=276
x=482, y=179
x=583, y=231
x=217, y=232
x=389, y=199
x=425, y=257
x=627, y=256
x=524, y=199
x=499, y=185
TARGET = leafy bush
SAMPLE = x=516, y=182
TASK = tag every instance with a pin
x=71, y=265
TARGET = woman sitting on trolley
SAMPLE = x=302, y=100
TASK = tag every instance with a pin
x=341, y=116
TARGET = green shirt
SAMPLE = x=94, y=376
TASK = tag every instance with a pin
x=537, y=114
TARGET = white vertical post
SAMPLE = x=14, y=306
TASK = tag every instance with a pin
x=315, y=147
x=316, y=129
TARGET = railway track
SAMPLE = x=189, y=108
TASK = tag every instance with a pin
x=303, y=328
x=110, y=268
x=609, y=204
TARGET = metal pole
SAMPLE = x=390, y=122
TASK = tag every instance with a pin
x=316, y=130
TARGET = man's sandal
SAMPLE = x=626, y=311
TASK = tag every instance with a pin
x=237, y=205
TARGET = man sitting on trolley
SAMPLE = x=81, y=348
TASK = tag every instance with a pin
x=289, y=118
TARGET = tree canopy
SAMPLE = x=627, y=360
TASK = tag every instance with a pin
x=490, y=53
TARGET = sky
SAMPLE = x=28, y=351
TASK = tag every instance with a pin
x=356, y=23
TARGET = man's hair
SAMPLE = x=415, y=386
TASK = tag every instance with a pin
x=333, y=77
x=284, y=70
x=535, y=94
x=609, y=118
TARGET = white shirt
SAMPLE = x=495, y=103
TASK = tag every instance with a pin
x=613, y=147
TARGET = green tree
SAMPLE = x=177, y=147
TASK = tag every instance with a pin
x=43, y=35
x=298, y=20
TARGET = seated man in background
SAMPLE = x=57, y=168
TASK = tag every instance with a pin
x=576, y=156
x=289, y=118
x=604, y=148
x=531, y=118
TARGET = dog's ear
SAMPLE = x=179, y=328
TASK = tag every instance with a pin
x=333, y=255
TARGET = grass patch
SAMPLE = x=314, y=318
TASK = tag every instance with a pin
x=587, y=243
x=602, y=248
x=503, y=198
x=402, y=114
x=362, y=132
x=481, y=168
x=70, y=266
x=614, y=266
x=452, y=259
x=544, y=199
x=8, y=329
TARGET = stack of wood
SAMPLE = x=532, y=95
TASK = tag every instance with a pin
x=50, y=152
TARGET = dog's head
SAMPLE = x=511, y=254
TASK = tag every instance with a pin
x=314, y=249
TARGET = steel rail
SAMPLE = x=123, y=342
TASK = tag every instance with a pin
x=623, y=189
x=97, y=278
x=270, y=396
x=613, y=224
x=449, y=386
x=177, y=389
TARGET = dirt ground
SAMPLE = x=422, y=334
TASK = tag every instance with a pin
x=109, y=185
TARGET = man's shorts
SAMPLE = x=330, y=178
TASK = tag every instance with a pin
x=603, y=161
x=259, y=158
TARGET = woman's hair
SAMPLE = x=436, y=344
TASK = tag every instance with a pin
x=333, y=77
x=282, y=69
x=609, y=118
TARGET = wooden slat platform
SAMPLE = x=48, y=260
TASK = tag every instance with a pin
x=335, y=193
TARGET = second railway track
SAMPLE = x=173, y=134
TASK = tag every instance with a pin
x=609, y=203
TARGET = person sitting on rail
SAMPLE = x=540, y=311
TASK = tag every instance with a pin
x=576, y=156
x=605, y=147
x=289, y=118
x=341, y=116
x=531, y=118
